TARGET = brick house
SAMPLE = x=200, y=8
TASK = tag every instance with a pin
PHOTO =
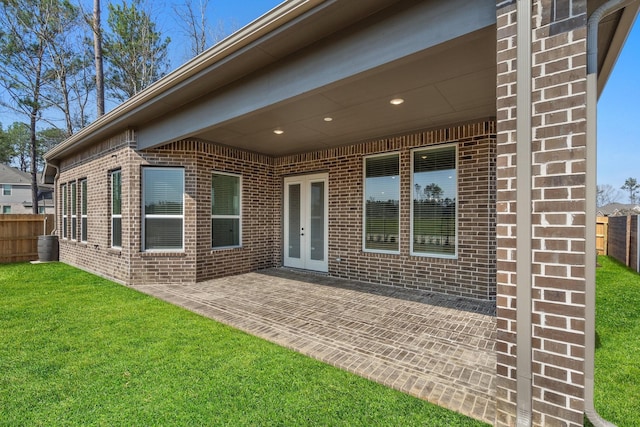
x=376, y=141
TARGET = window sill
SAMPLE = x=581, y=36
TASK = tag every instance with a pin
x=73, y=242
x=434, y=257
x=226, y=248
x=161, y=254
x=380, y=253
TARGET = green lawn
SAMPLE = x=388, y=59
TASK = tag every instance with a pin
x=617, y=364
x=79, y=350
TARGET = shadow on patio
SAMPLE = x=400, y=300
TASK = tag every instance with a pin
x=435, y=347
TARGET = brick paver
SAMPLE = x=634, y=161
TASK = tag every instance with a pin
x=435, y=347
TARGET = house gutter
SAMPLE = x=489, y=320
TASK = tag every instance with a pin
x=590, y=210
x=55, y=199
x=524, y=357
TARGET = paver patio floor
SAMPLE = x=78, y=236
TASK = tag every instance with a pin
x=438, y=348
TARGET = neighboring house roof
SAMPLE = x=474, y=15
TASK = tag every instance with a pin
x=614, y=209
x=310, y=59
x=9, y=175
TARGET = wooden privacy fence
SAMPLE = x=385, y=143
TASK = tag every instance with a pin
x=19, y=236
x=602, y=235
x=622, y=240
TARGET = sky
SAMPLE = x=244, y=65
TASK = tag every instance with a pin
x=233, y=14
x=618, y=106
x=619, y=118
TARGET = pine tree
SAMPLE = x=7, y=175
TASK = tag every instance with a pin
x=631, y=185
x=135, y=52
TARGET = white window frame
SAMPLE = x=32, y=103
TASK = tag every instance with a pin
x=65, y=214
x=156, y=216
x=6, y=187
x=84, y=203
x=457, y=215
x=364, y=202
x=74, y=210
x=238, y=217
x=115, y=216
x=6, y=209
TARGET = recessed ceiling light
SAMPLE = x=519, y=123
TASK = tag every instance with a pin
x=328, y=119
x=278, y=131
x=396, y=101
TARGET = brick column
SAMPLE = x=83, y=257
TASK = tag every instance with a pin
x=557, y=146
x=506, y=214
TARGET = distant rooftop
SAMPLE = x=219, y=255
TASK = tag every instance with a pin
x=9, y=175
x=614, y=209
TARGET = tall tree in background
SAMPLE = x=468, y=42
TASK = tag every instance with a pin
x=134, y=50
x=18, y=137
x=194, y=24
x=67, y=88
x=26, y=29
x=606, y=194
x=81, y=87
x=631, y=185
x=15, y=147
x=47, y=139
x=6, y=148
x=201, y=33
x=97, y=49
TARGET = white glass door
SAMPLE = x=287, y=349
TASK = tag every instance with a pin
x=305, y=222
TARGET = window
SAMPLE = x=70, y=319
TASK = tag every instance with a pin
x=74, y=211
x=65, y=212
x=225, y=210
x=6, y=189
x=434, y=206
x=163, y=208
x=116, y=209
x=382, y=203
x=6, y=209
x=83, y=210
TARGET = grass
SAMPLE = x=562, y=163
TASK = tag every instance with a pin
x=617, y=358
x=76, y=349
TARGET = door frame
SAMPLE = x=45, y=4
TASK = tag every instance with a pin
x=305, y=262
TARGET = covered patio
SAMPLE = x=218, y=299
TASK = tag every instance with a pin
x=438, y=348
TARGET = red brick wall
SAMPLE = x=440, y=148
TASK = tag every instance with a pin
x=258, y=214
x=94, y=165
x=506, y=216
x=471, y=274
x=558, y=122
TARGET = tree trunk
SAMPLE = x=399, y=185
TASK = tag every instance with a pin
x=97, y=45
x=35, y=109
x=34, y=163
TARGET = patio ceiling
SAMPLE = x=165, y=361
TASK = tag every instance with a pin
x=334, y=87
x=452, y=83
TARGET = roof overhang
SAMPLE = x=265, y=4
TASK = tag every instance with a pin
x=308, y=60
x=438, y=56
x=613, y=31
